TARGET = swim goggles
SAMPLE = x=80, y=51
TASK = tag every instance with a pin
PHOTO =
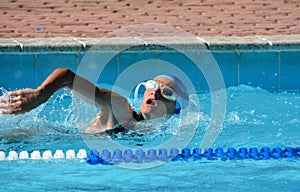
x=166, y=91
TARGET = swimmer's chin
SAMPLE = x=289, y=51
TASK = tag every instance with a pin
x=153, y=115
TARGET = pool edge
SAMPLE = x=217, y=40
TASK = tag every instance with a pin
x=76, y=44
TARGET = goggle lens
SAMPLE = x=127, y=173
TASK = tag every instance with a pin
x=151, y=85
x=167, y=92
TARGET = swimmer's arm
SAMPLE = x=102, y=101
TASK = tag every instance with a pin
x=28, y=99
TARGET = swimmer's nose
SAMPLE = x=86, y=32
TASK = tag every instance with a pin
x=155, y=94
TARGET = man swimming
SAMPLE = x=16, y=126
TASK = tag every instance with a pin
x=159, y=99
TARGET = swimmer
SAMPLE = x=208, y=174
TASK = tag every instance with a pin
x=160, y=99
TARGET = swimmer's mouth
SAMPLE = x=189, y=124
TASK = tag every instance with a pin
x=151, y=102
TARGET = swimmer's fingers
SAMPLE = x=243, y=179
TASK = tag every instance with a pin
x=13, y=106
x=9, y=108
x=4, y=104
x=10, y=100
x=4, y=100
x=15, y=93
x=21, y=101
x=16, y=96
x=13, y=103
x=16, y=110
x=21, y=93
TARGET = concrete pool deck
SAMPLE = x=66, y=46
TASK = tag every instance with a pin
x=74, y=25
x=82, y=18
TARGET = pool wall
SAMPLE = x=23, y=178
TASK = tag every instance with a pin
x=269, y=62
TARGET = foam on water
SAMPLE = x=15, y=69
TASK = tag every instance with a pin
x=254, y=117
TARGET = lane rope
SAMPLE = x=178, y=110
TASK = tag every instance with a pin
x=140, y=156
x=45, y=155
x=107, y=157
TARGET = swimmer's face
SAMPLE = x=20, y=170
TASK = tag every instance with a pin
x=154, y=104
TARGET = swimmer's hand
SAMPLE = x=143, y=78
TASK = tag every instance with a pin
x=22, y=101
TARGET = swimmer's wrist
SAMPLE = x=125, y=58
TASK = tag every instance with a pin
x=43, y=92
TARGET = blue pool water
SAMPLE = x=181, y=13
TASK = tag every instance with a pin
x=254, y=118
x=262, y=109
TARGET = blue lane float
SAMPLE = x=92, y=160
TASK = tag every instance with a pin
x=141, y=156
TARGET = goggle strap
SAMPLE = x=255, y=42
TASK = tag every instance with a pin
x=177, y=108
x=136, y=91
